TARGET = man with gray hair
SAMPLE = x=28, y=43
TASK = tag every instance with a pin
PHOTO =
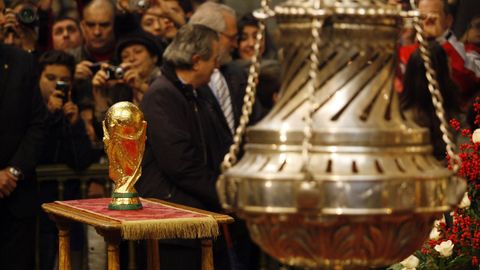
x=228, y=82
x=222, y=19
x=177, y=163
x=224, y=95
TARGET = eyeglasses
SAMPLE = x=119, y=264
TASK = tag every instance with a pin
x=232, y=38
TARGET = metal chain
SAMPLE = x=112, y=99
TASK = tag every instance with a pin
x=437, y=99
x=249, y=99
x=312, y=74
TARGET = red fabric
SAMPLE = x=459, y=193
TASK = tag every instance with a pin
x=463, y=77
x=404, y=53
x=151, y=210
x=471, y=47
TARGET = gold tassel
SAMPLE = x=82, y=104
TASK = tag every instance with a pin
x=191, y=228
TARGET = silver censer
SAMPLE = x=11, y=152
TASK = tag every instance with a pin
x=335, y=177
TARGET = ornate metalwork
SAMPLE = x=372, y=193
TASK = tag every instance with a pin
x=370, y=188
x=341, y=240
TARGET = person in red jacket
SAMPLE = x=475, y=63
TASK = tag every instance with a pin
x=471, y=38
x=436, y=22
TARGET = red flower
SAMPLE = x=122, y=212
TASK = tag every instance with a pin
x=455, y=124
x=474, y=261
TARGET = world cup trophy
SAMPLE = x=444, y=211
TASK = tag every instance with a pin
x=124, y=136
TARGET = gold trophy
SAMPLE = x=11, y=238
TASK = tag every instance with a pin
x=124, y=136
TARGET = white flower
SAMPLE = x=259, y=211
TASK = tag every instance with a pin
x=445, y=248
x=476, y=135
x=435, y=233
x=465, y=203
x=410, y=263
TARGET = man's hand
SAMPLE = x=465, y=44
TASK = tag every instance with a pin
x=100, y=79
x=8, y=183
x=432, y=25
x=83, y=71
x=23, y=37
x=55, y=101
x=123, y=6
x=70, y=110
x=132, y=79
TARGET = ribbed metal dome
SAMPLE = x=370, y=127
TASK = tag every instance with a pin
x=375, y=187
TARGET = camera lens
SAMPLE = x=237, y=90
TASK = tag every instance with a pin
x=119, y=73
x=27, y=15
x=115, y=73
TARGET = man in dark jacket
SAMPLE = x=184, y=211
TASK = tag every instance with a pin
x=66, y=143
x=224, y=97
x=22, y=115
x=177, y=162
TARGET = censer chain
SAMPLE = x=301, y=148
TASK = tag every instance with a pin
x=249, y=99
x=437, y=99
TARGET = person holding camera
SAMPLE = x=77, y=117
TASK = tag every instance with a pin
x=66, y=143
x=437, y=19
x=97, y=28
x=19, y=26
x=56, y=73
x=138, y=55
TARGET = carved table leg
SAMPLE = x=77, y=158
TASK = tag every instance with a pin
x=207, y=254
x=113, y=238
x=132, y=256
x=153, y=257
x=63, y=245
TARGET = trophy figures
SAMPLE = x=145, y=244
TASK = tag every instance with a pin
x=124, y=137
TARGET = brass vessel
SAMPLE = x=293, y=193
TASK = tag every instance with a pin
x=124, y=130
x=373, y=187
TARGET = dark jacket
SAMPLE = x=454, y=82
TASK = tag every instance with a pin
x=177, y=162
x=66, y=144
x=236, y=79
x=22, y=116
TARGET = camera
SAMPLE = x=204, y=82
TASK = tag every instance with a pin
x=27, y=16
x=15, y=172
x=64, y=87
x=115, y=73
x=136, y=5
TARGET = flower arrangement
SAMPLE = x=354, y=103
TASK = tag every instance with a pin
x=456, y=246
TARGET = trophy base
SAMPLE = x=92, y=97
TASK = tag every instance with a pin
x=125, y=201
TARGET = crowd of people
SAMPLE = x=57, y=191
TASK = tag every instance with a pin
x=185, y=64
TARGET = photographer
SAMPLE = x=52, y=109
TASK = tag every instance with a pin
x=20, y=25
x=56, y=72
x=66, y=143
x=138, y=56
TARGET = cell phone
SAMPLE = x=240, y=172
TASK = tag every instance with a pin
x=64, y=87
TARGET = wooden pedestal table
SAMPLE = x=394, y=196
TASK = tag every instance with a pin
x=157, y=220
